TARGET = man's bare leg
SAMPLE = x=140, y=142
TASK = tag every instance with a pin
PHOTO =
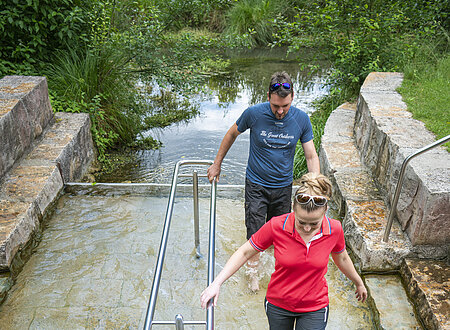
x=252, y=272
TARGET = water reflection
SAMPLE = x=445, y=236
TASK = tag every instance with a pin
x=228, y=96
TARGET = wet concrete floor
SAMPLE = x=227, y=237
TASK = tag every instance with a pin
x=93, y=269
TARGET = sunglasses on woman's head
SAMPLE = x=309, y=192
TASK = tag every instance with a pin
x=276, y=86
x=302, y=198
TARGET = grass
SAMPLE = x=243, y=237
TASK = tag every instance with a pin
x=426, y=91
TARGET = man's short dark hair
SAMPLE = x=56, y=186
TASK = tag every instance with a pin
x=281, y=77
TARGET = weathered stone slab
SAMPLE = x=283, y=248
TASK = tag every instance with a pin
x=388, y=295
x=358, y=198
x=18, y=220
x=5, y=286
x=25, y=111
x=36, y=182
x=25, y=195
x=28, y=184
x=339, y=125
x=68, y=144
x=428, y=285
x=385, y=134
x=382, y=82
x=364, y=226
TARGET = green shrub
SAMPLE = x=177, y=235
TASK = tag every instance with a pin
x=32, y=30
x=253, y=20
x=92, y=81
x=359, y=37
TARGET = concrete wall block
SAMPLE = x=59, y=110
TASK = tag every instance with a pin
x=386, y=82
x=50, y=191
x=386, y=134
x=364, y=233
x=26, y=224
x=78, y=153
x=362, y=124
x=24, y=111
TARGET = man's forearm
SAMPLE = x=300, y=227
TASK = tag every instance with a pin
x=226, y=144
x=313, y=164
x=312, y=160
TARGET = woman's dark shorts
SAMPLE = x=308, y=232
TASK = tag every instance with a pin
x=262, y=204
x=282, y=319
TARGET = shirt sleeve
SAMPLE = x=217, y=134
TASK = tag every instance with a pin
x=307, y=134
x=243, y=122
x=263, y=238
x=339, y=247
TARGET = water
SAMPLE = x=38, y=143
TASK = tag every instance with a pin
x=94, y=269
x=229, y=96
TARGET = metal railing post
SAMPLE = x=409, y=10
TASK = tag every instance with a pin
x=211, y=252
x=196, y=216
x=398, y=188
x=179, y=324
x=162, y=252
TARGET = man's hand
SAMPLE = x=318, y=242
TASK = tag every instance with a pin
x=213, y=172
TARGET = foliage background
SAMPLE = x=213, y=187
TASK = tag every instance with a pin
x=104, y=57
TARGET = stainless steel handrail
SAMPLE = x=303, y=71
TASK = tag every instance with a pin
x=162, y=250
x=398, y=188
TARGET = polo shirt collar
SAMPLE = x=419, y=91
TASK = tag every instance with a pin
x=289, y=224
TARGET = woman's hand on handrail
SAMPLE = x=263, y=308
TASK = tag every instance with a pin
x=211, y=292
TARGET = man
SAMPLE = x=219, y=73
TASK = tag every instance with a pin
x=275, y=127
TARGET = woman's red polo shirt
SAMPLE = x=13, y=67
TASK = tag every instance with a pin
x=298, y=283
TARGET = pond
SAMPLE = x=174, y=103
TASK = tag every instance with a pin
x=230, y=95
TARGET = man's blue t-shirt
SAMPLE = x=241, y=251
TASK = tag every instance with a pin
x=272, y=143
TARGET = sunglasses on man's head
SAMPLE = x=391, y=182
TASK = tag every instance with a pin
x=302, y=198
x=276, y=86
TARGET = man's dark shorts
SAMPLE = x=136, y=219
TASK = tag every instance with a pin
x=262, y=204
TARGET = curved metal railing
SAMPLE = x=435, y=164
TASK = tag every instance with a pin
x=398, y=188
x=179, y=322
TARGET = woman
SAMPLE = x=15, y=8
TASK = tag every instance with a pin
x=303, y=240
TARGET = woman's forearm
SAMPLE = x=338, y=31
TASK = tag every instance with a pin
x=345, y=264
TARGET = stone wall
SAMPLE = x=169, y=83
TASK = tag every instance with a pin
x=24, y=113
x=385, y=135
x=39, y=152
